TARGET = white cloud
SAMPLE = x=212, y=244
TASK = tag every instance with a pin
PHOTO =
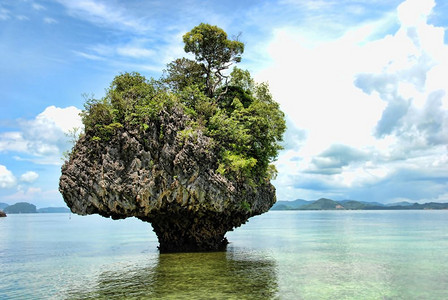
x=29, y=177
x=43, y=138
x=415, y=12
x=24, y=195
x=37, y=6
x=381, y=98
x=139, y=54
x=63, y=118
x=22, y=18
x=4, y=14
x=49, y=20
x=104, y=14
x=7, y=179
x=173, y=49
x=135, y=48
x=38, y=196
x=135, y=51
x=88, y=56
x=12, y=141
x=314, y=84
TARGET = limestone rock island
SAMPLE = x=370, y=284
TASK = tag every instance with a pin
x=190, y=153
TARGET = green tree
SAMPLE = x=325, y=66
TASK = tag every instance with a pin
x=214, y=51
x=126, y=92
x=242, y=79
x=184, y=72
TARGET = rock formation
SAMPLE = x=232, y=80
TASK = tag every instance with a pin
x=191, y=153
x=2, y=214
x=165, y=178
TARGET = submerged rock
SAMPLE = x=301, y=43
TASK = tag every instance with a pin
x=165, y=178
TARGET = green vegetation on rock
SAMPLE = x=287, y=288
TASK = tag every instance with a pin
x=240, y=116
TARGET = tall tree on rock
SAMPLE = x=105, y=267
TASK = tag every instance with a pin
x=214, y=51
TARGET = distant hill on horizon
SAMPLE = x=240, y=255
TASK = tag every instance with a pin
x=328, y=204
x=290, y=205
x=52, y=210
x=21, y=208
x=322, y=204
x=26, y=208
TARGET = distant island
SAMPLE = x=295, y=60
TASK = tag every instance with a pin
x=328, y=204
x=20, y=208
x=53, y=210
x=28, y=208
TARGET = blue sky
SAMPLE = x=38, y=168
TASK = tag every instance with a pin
x=363, y=84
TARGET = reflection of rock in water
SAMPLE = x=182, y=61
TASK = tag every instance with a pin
x=215, y=275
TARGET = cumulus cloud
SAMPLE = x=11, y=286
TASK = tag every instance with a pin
x=373, y=105
x=7, y=179
x=406, y=183
x=332, y=160
x=415, y=105
x=29, y=177
x=294, y=137
x=415, y=12
x=44, y=137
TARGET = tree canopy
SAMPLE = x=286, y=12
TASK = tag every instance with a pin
x=240, y=115
x=213, y=51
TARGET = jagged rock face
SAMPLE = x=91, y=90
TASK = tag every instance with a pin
x=163, y=178
x=2, y=214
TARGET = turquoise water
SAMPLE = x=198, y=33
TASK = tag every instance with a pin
x=279, y=255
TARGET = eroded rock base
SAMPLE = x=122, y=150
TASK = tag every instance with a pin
x=193, y=233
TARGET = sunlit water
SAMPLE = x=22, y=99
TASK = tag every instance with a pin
x=279, y=255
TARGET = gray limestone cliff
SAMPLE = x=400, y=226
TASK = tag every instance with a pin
x=163, y=177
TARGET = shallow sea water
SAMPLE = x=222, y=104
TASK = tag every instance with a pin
x=278, y=255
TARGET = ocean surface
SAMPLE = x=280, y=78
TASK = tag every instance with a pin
x=278, y=255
